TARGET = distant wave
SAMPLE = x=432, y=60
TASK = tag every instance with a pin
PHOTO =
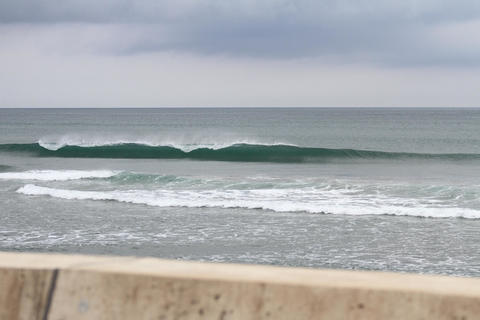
x=235, y=152
x=57, y=175
x=286, y=200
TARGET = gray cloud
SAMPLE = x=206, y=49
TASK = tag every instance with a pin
x=192, y=11
x=383, y=32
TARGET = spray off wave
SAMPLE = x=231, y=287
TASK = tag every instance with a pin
x=237, y=152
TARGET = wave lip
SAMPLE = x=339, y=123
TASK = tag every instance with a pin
x=57, y=175
x=285, y=200
x=183, y=146
x=237, y=152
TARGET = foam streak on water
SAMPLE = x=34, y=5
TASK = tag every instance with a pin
x=310, y=200
x=57, y=175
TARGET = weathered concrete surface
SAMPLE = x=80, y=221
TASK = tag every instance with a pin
x=26, y=280
x=23, y=293
x=145, y=288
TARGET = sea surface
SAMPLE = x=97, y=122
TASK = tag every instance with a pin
x=350, y=188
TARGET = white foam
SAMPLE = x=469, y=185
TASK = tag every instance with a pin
x=279, y=200
x=184, y=144
x=57, y=175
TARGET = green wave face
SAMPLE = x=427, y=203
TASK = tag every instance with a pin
x=237, y=152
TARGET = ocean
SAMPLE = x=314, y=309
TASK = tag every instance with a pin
x=349, y=188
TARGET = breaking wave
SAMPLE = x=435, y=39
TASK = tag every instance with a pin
x=236, y=152
x=308, y=200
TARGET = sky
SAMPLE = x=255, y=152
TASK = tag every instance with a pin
x=308, y=53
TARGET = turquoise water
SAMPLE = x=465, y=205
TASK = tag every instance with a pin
x=375, y=189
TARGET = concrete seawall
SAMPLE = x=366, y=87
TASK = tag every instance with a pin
x=39, y=286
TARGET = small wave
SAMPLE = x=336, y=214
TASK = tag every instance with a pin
x=285, y=200
x=237, y=152
x=4, y=168
x=57, y=175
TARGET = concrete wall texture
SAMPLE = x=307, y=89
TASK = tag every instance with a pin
x=41, y=286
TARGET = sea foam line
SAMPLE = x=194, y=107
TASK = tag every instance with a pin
x=285, y=200
x=57, y=175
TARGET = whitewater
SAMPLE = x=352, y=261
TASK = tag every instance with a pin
x=323, y=196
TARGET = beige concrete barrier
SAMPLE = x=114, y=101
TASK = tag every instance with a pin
x=39, y=286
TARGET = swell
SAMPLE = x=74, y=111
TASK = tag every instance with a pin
x=236, y=152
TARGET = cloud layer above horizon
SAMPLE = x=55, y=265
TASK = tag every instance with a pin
x=214, y=52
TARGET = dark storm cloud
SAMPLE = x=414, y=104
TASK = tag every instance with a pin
x=395, y=32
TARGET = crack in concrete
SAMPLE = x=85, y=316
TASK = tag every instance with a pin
x=51, y=290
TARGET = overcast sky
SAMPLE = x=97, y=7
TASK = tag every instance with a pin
x=120, y=53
